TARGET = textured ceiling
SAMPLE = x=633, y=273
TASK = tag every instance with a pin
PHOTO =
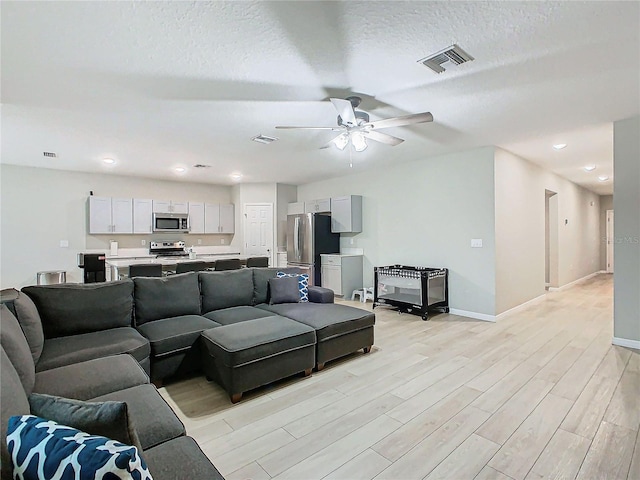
x=157, y=85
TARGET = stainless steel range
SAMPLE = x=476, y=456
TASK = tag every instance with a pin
x=168, y=249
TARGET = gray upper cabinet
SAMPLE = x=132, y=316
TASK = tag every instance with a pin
x=196, y=218
x=318, y=206
x=110, y=215
x=346, y=214
x=219, y=218
x=142, y=215
x=170, y=206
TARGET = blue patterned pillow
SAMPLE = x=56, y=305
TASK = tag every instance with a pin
x=303, y=283
x=43, y=449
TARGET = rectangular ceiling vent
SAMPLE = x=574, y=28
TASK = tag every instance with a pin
x=50, y=154
x=264, y=139
x=200, y=165
x=453, y=54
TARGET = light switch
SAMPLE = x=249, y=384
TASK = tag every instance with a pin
x=64, y=243
x=476, y=243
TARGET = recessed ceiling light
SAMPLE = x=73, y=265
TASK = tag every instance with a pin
x=603, y=178
x=110, y=161
x=559, y=146
x=236, y=176
x=180, y=169
x=590, y=168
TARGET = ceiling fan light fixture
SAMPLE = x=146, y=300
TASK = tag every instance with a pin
x=358, y=141
x=341, y=141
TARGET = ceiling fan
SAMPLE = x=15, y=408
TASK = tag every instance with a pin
x=354, y=125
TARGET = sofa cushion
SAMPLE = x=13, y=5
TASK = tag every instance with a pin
x=79, y=348
x=58, y=448
x=74, y=308
x=92, y=378
x=107, y=419
x=31, y=324
x=244, y=342
x=328, y=319
x=180, y=458
x=16, y=347
x=261, y=278
x=303, y=284
x=172, y=296
x=14, y=402
x=284, y=290
x=225, y=289
x=153, y=418
x=171, y=335
x=227, y=316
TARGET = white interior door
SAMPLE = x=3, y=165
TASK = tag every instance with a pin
x=258, y=230
x=610, y=241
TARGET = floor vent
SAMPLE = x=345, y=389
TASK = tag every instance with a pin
x=453, y=54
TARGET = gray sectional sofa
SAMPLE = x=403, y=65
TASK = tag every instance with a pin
x=103, y=341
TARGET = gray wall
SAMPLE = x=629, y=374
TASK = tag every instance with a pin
x=626, y=204
x=285, y=195
x=606, y=203
x=40, y=207
x=425, y=213
x=520, y=230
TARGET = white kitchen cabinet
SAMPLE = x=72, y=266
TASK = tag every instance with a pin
x=341, y=273
x=295, y=208
x=142, y=215
x=318, y=206
x=219, y=218
x=346, y=214
x=110, y=215
x=170, y=206
x=227, y=219
x=196, y=217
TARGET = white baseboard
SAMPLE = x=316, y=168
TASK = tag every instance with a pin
x=520, y=307
x=571, y=284
x=625, y=342
x=476, y=315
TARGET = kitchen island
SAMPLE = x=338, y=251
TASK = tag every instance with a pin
x=119, y=267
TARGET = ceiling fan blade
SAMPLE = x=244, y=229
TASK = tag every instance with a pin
x=335, y=129
x=401, y=121
x=345, y=110
x=383, y=138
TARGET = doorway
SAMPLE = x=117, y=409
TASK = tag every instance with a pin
x=551, y=239
x=258, y=230
x=610, y=242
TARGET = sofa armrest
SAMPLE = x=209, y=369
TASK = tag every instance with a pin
x=320, y=294
x=93, y=378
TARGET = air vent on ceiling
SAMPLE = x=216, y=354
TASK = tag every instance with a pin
x=200, y=165
x=264, y=139
x=50, y=154
x=453, y=54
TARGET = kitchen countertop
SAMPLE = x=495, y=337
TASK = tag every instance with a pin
x=122, y=262
x=341, y=255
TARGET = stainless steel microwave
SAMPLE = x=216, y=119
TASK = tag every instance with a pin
x=171, y=222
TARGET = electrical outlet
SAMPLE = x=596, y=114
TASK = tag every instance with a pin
x=64, y=243
x=476, y=243
x=222, y=241
x=143, y=242
x=351, y=241
x=199, y=241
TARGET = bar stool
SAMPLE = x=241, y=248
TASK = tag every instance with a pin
x=228, y=264
x=257, y=262
x=145, y=270
x=191, y=267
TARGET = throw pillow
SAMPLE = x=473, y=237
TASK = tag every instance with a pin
x=107, y=419
x=284, y=290
x=43, y=449
x=303, y=283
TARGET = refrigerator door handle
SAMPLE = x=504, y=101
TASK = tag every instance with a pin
x=296, y=236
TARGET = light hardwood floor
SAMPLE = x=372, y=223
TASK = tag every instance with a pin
x=540, y=394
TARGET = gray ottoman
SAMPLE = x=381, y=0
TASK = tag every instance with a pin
x=340, y=329
x=245, y=355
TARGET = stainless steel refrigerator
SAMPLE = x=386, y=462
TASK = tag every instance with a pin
x=308, y=236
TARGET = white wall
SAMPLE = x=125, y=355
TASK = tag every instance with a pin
x=606, y=203
x=40, y=207
x=425, y=213
x=626, y=204
x=520, y=230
